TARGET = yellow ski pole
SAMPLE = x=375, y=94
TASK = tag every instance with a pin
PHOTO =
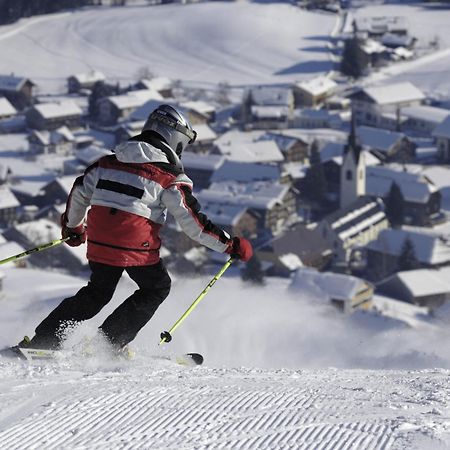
x=166, y=336
x=39, y=248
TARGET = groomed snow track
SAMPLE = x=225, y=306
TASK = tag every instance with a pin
x=154, y=404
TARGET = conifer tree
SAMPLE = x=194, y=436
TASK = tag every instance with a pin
x=315, y=183
x=395, y=206
x=253, y=272
x=408, y=259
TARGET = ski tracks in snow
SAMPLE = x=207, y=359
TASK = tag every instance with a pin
x=153, y=404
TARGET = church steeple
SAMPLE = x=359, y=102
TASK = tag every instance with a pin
x=353, y=144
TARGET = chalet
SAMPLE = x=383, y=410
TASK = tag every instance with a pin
x=261, y=151
x=442, y=135
x=83, y=159
x=421, y=198
x=7, y=110
x=50, y=116
x=423, y=120
x=60, y=141
x=118, y=107
x=294, y=149
x=200, y=168
x=423, y=287
x=390, y=145
x=272, y=203
x=266, y=107
x=162, y=85
x=431, y=251
x=345, y=292
x=9, y=206
x=58, y=190
x=315, y=118
x=380, y=106
x=352, y=227
x=313, y=92
x=82, y=81
x=18, y=90
x=303, y=241
x=198, y=112
x=205, y=139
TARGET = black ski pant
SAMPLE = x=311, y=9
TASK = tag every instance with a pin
x=123, y=324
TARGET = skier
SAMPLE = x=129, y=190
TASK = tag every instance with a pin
x=129, y=194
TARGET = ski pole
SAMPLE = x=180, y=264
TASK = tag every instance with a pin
x=166, y=336
x=39, y=248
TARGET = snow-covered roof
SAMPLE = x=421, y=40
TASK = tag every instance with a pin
x=157, y=83
x=144, y=110
x=61, y=109
x=258, y=194
x=414, y=186
x=381, y=24
x=317, y=86
x=370, y=46
x=269, y=95
x=443, y=129
x=377, y=138
x=335, y=150
x=221, y=214
x=396, y=40
x=204, y=132
x=199, y=106
x=244, y=172
x=314, y=114
x=134, y=99
x=6, y=109
x=291, y=261
x=66, y=182
x=269, y=112
x=12, y=83
x=429, y=249
x=8, y=249
x=7, y=198
x=209, y=162
x=54, y=136
x=332, y=285
x=91, y=154
x=262, y=151
x=89, y=77
x=395, y=93
x=426, y=113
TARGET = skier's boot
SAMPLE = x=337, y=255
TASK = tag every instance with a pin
x=14, y=351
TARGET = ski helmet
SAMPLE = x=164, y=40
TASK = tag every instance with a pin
x=172, y=126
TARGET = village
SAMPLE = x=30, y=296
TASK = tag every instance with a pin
x=337, y=184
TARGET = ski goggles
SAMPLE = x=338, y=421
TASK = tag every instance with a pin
x=167, y=119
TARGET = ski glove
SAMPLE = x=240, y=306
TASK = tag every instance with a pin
x=77, y=235
x=240, y=248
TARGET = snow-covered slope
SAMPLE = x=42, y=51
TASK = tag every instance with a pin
x=206, y=42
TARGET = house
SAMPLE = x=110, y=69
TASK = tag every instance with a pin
x=421, y=198
x=57, y=191
x=9, y=206
x=118, y=107
x=423, y=287
x=60, y=141
x=83, y=159
x=380, y=106
x=7, y=110
x=200, y=168
x=422, y=119
x=37, y=232
x=266, y=107
x=82, y=81
x=198, y=112
x=442, y=135
x=162, y=85
x=272, y=203
x=349, y=229
x=260, y=151
x=127, y=130
x=205, y=139
x=378, y=26
x=315, y=118
x=293, y=148
x=313, y=92
x=431, y=251
x=346, y=292
x=302, y=241
x=390, y=145
x=18, y=90
x=50, y=116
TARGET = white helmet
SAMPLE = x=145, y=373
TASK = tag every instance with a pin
x=172, y=126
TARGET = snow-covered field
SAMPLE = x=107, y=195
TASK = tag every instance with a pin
x=203, y=43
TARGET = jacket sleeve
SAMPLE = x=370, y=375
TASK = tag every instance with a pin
x=80, y=197
x=180, y=202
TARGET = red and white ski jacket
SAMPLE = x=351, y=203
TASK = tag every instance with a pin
x=129, y=194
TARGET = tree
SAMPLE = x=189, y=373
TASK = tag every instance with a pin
x=395, y=206
x=354, y=61
x=253, y=272
x=315, y=183
x=407, y=259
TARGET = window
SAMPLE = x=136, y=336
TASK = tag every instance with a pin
x=349, y=175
